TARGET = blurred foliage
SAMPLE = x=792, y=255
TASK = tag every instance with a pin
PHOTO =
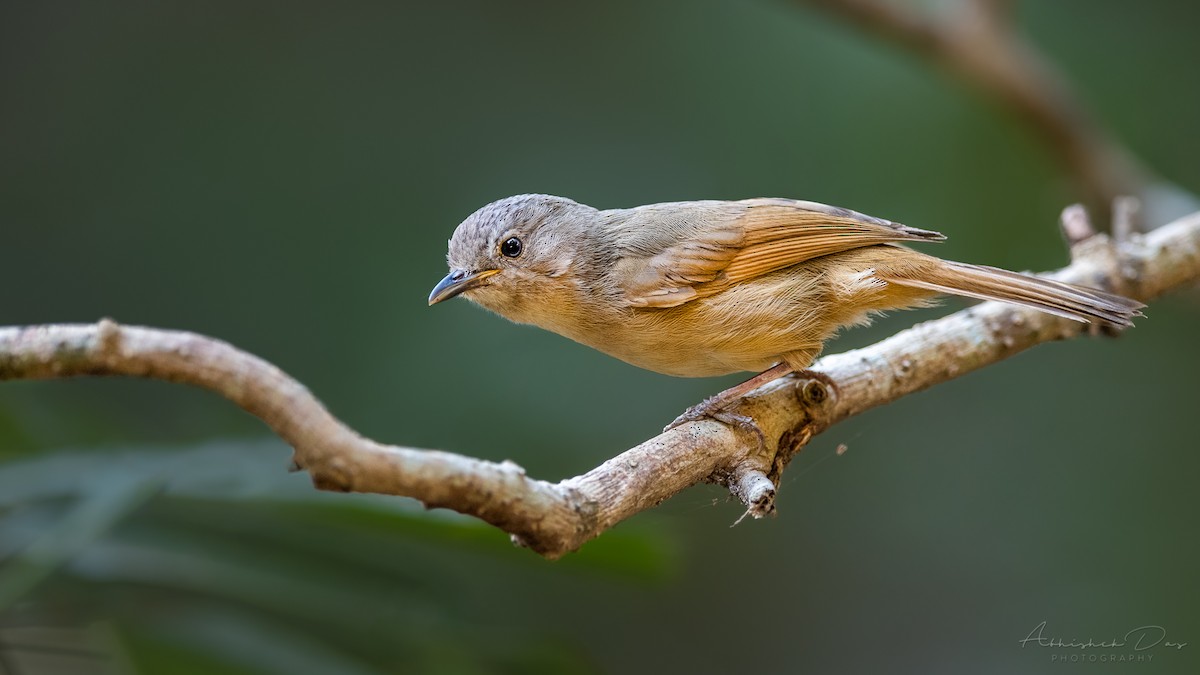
x=284, y=176
x=256, y=559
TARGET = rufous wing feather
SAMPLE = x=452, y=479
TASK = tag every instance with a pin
x=782, y=232
x=757, y=237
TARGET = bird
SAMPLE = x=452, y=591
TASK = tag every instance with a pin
x=707, y=288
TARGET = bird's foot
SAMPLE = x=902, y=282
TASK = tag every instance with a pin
x=715, y=408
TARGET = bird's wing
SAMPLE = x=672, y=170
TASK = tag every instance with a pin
x=739, y=241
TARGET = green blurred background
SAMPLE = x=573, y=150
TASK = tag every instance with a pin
x=284, y=176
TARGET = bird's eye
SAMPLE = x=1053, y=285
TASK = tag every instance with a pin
x=511, y=247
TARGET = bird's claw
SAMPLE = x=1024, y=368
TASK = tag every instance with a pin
x=712, y=408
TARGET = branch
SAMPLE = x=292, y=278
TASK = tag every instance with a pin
x=555, y=518
x=981, y=48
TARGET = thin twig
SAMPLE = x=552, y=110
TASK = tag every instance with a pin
x=1126, y=212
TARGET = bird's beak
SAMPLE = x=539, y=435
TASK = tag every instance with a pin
x=456, y=282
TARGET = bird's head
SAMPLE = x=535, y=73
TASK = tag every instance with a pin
x=514, y=253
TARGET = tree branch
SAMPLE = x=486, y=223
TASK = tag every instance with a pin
x=979, y=45
x=555, y=518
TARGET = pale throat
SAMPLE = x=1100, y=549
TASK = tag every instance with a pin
x=553, y=306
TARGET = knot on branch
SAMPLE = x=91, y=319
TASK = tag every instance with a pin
x=753, y=480
x=108, y=336
x=755, y=490
x=1111, y=266
x=754, y=476
x=815, y=392
x=1117, y=271
x=333, y=475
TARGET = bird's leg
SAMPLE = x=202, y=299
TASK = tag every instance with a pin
x=714, y=407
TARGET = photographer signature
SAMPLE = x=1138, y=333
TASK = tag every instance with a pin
x=1140, y=639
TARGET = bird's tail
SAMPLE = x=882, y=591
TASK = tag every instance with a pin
x=1055, y=297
